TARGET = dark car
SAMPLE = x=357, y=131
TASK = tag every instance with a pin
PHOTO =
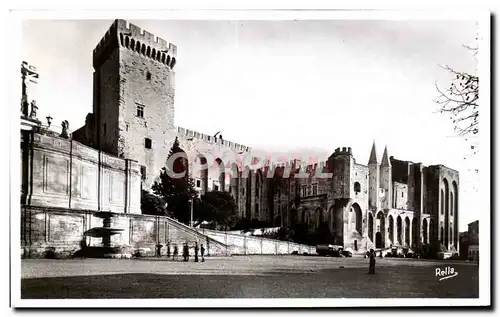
x=347, y=253
x=329, y=250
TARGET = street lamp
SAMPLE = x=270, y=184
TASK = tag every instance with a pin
x=191, y=202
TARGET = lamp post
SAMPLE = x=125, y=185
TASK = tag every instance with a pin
x=191, y=202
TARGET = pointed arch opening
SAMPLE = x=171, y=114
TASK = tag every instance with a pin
x=399, y=224
x=248, y=191
x=380, y=235
x=425, y=231
x=201, y=173
x=391, y=229
x=370, y=226
x=407, y=231
x=358, y=220
x=127, y=42
x=234, y=182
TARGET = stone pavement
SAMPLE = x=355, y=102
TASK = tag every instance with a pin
x=244, y=276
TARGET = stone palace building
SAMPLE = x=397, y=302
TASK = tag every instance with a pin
x=102, y=166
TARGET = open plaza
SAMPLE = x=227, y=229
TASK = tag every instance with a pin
x=247, y=277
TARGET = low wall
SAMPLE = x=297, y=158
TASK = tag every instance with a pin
x=59, y=172
x=240, y=244
x=63, y=229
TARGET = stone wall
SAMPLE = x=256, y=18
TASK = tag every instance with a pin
x=63, y=230
x=58, y=172
x=241, y=244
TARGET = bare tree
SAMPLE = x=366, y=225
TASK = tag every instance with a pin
x=461, y=100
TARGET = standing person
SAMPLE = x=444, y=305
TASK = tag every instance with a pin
x=202, y=251
x=168, y=249
x=176, y=252
x=185, y=252
x=371, y=269
x=196, y=251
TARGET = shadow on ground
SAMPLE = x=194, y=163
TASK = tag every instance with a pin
x=389, y=282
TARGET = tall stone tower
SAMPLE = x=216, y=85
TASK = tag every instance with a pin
x=373, y=180
x=386, y=180
x=134, y=95
x=341, y=165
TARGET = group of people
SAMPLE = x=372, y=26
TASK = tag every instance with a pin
x=185, y=252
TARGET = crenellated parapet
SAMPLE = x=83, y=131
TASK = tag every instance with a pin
x=211, y=139
x=127, y=35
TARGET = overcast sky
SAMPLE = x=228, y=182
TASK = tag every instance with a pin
x=283, y=85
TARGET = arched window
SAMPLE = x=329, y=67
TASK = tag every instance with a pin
x=451, y=204
x=172, y=64
x=163, y=58
x=168, y=60
x=357, y=187
x=127, y=41
x=148, y=51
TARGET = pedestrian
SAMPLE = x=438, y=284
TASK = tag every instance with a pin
x=176, y=252
x=196, y=251
x=168, y=249
x=202, y=251
x=185, y=252
x=371, y=269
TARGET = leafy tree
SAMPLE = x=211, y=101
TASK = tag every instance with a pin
x=152, y=204
x=218, y=207
x=176, y=191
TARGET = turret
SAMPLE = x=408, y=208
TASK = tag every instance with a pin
x=373, y=179
x=386, y=180
x=341, y=163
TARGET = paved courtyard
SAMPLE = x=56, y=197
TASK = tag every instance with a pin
x=246, y=277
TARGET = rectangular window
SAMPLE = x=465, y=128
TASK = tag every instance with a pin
x=140, y=110
x=309, y=190
x=304, y=191
x=198, y=183
x=143, y=172
x=147, y=143
x=402, y=194
x=315, y=189
x=216, y=188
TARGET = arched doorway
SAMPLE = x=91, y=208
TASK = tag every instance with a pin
x=407, y=231
x=379, y=236
x=370, y=226
x=399, y=224
x=425, y=231
x=357, y=218
x=391, y=229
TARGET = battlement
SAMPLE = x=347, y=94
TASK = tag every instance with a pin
x=210, y=139
x=134, y=38
x=343, y=151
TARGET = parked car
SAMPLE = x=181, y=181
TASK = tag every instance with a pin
x=329, y=250
x=347, y=253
